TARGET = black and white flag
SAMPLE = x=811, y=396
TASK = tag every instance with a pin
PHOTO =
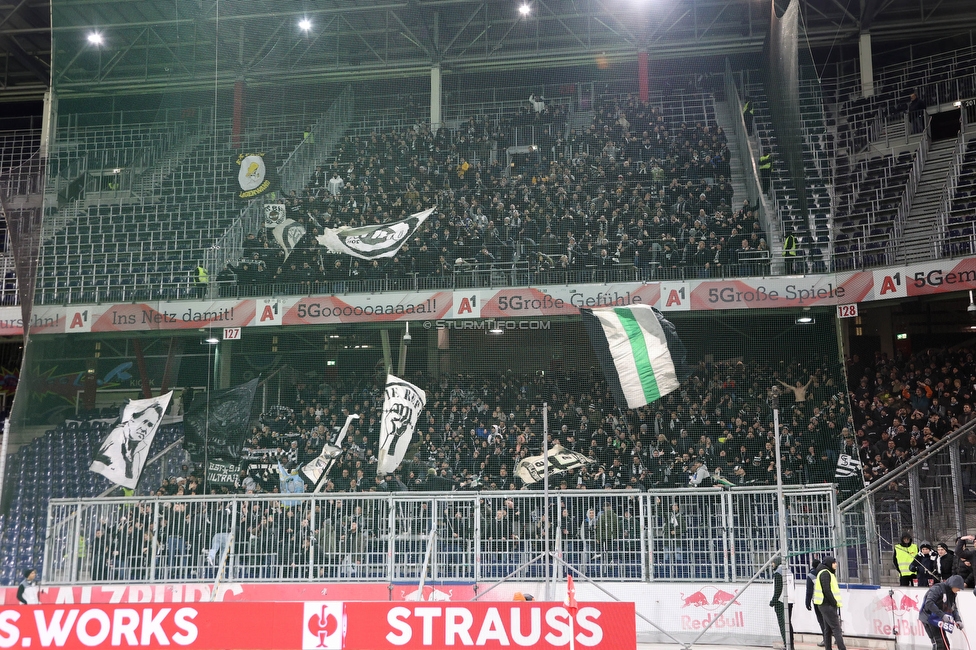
x=123, y=452
x=373, y=242
x=215, y=426
x=322, y=464
x=533, y=468
x=255, y=176
x=847, y=466
x=402, y=405
x=288, y=234
x=274, y=214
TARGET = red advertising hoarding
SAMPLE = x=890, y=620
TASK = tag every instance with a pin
x=329, y=625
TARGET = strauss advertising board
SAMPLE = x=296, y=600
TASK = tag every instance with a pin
x=328, y=625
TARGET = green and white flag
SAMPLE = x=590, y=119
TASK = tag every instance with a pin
x=639, y=350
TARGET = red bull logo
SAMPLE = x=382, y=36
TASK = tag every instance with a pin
x=907, y=603
x=697, y=599
x=897, y=602
x=709, y=598
x=722, y=598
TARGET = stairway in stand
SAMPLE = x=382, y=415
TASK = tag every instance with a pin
x=916, y=240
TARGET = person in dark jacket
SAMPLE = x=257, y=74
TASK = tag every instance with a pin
x=826, y=596
x=27, y=591
x=923, y=564
x=944, y=559
x=963, y=565
x=938, y=607
x=776, y=601
x=811, y=577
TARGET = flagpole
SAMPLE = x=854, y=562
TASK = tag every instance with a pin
x=545, y=490
x=781, y=506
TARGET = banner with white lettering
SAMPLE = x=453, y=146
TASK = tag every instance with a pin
x=329, y=625
x=274, y=214
x=533, y=468
x=123, y=452
x=402, y=405
x=221, y=472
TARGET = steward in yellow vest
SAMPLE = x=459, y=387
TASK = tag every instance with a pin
x=904, y=555
x=826, y=597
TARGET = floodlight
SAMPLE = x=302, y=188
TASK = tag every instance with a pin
x=95, y=38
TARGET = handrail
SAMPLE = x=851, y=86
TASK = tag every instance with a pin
x=948, y=192
x=293, y=174
x=911, y=187
x=916, y=461
x=750, y=163
x=499, y=276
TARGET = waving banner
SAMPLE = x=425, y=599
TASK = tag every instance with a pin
x=214, y=427
x=533, y=468
x=402, y=405
x=320, y=466
x=274, y=214
x=123, y=452
x=373, y=242
x=254, y=176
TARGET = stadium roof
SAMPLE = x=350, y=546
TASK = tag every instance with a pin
x=149, y=45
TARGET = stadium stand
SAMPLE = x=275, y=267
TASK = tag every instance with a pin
x=477, y=428
x=869, y=195
x=958, y=213
x=615, y=187
x=56, y=465
x=143, y=212
x=144, y=208
x=814, y=241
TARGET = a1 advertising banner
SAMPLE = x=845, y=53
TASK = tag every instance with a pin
x=825, y=290
x=332, y=625
x=358, y=308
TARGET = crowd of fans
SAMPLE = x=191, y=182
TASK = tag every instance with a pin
x=716, y=430
x=903, y=406
x=636, y=190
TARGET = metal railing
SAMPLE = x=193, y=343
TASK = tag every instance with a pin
x=96, y=288
x=944, y=244
x=927, y=496
x=750, y=164
x=701, y=535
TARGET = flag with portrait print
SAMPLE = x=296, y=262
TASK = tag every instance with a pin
x=123, y=453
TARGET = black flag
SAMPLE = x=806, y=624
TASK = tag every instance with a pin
x=256, y=176
x=220, y=422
